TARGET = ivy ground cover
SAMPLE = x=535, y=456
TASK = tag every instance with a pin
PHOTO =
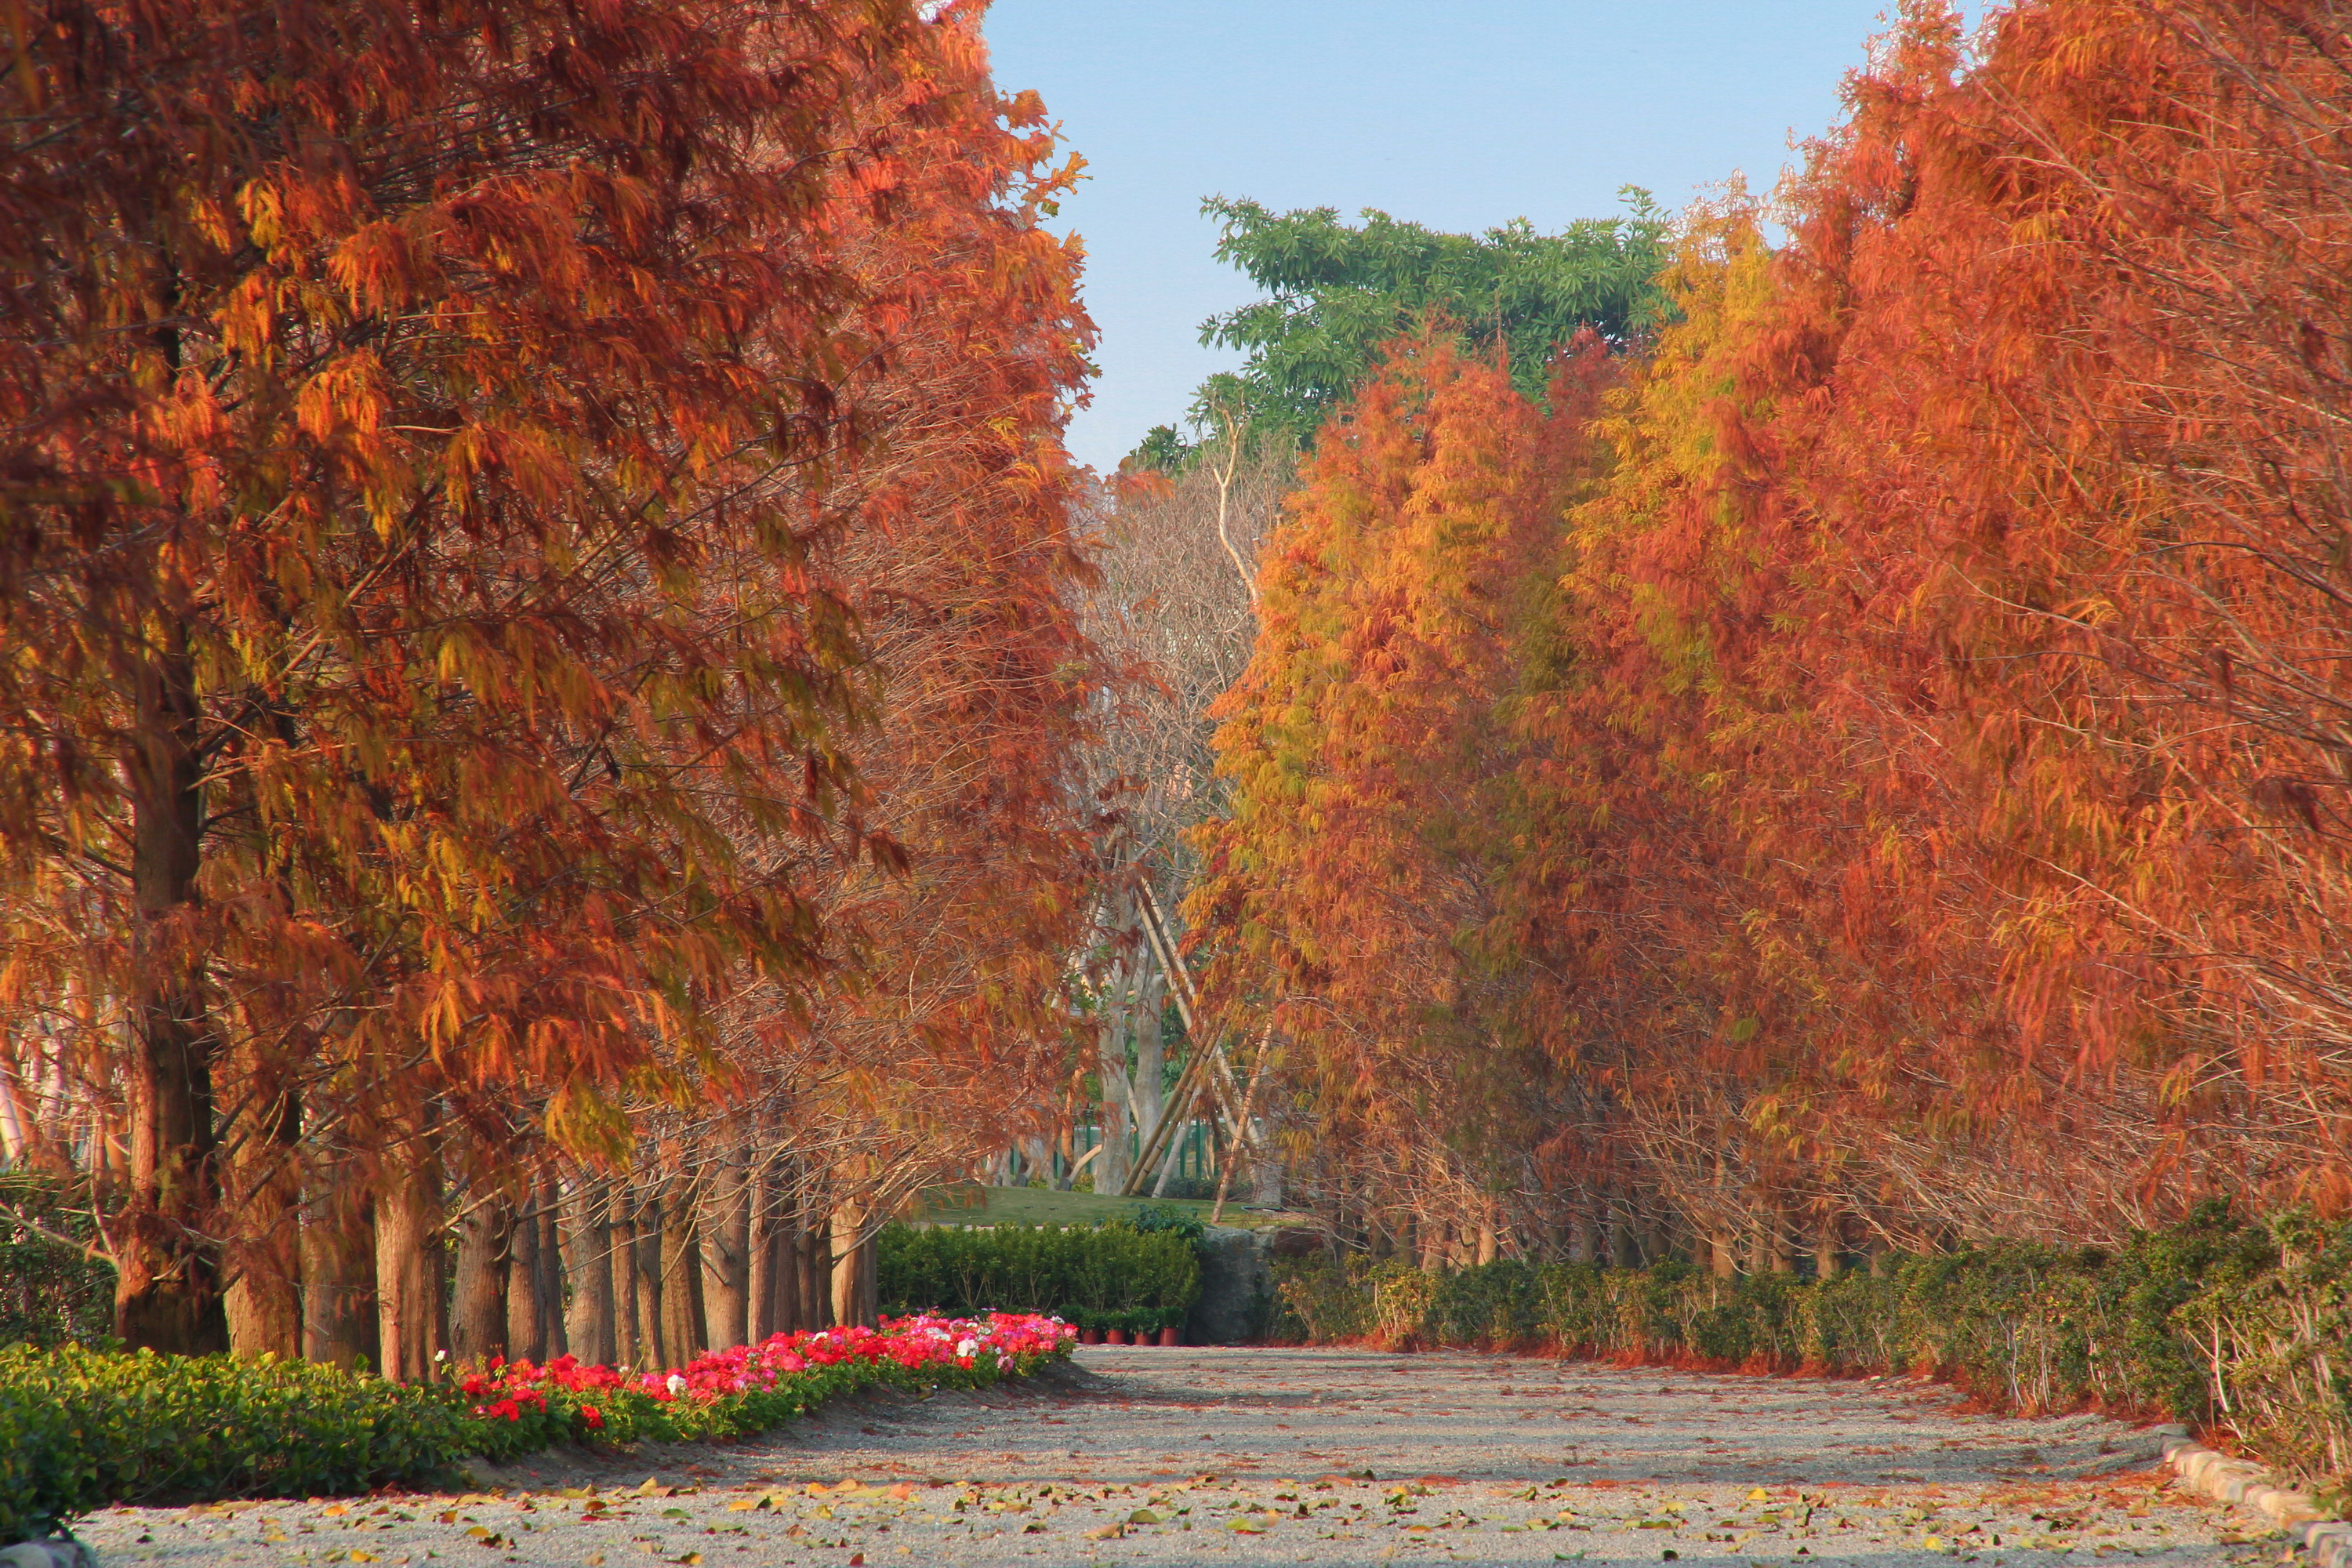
x=81, y=1429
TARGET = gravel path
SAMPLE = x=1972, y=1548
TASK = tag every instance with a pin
x=1149, y=1456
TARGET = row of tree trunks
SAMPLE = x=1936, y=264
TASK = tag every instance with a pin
x=650, y=1272
x=1600, y=1221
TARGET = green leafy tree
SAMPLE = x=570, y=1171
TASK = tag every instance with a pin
x=1336, y=293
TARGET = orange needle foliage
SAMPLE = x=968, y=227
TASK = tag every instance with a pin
x=1942, y=750
x=961, y=556
x=1373, y=869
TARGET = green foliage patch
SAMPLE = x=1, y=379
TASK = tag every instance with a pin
x=81, y=1429
x=2241, y=1329
x=1140, y=1275
x=51, y=1290
x=1337, y=293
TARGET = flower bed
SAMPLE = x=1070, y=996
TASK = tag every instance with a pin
x=81, y=1429
x=517, y=1407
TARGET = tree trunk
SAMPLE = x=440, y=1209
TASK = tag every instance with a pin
x=621, y=1261
x=1109, y=1169
x=1429, y=1240
x=645, y=1228
x=339, y=1315
x=547, y=1287
x=1780, y=1253
x=788, y=1311
x=167, y=1294
x=1585, y=1237
x=1266, y=1181
x=856, y=1279
x=587, y=1243
x=526, y=1328
x=1171, y=1162
x=726, y=1255
x=263, y=1304
x=816, y=1272
x=484, y=1265
x=408, y=1273
x=758, y=1247
x=1150, y=1051
x=1114, y=1091
x=785, y=1255
x=1829, y=1247
x=686, y=1332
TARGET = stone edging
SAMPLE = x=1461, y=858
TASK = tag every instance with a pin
x=2248, y=1485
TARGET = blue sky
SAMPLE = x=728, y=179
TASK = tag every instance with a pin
x=1461, y=114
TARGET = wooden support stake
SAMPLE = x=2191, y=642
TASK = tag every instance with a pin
x=1171, y=962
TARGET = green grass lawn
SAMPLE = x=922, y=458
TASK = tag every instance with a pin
x=972, y=1204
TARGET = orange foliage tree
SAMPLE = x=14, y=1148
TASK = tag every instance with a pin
x=470, y=462
x=1943, y=766
x=1384, y=834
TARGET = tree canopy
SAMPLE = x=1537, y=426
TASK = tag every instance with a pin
x=1335, y=293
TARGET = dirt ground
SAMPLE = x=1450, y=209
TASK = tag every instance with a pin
x=1144, y=1457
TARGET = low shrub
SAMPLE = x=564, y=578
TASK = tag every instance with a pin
x=1142, y=1275
x=2239, y=1329
x=81, y=1429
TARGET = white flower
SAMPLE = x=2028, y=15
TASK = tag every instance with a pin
x=677, y=1386
x=968, y=1347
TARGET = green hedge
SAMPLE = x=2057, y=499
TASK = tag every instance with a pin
x=82, y=1429
x=2244, y=1329
x=1116, y=1276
